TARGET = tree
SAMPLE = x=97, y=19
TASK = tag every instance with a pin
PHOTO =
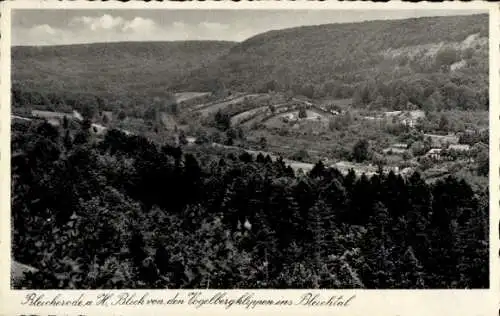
x=418, y=148
x=173, y=108
x=302, y=113
x=65, y=122
x=402, y=102
x=483, y=163
x=229, y=139
x=263, y=143
x=136, y=248
x=360, y=151
x=182, y=138
x=68, y=141
x=89, y=111
x=86, y=125
x=216, y=137
x=202, y=138
x=407, y=155
x=218, y=88
x=151, y=114
x=222, y=121
x=433, y=102
x=122, y=115
x=301, y=155
x=271, y=86
x=317, y=170
x=444, y=123
x=446, y=57
x=379, y=103
x=307, y=91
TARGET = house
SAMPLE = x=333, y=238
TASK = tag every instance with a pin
x=394, y=151
x=371, y=118
x=398, y=149
x=98, y=129
x=51, y=115
x=407, y=171
x=434, y=153
x=459, y=147
x=289, y=117
x=56, y=118
x=359, y=169
x=417, y=114
x=406, y=118
x=19, y=118
x=438, y=141
x=77, y=116
x=392, y=114
x=400, y=145
x=470, y=131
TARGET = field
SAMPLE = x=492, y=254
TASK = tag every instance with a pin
x=186, y=96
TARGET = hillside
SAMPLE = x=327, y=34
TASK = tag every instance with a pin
x=431, y=63
x=112, y=68
x=339, y=59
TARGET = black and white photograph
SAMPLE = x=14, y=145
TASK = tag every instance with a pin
x=249, y=149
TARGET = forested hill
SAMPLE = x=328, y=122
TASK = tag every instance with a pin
x=111, y=68
x=336, y=59
x=431, y=63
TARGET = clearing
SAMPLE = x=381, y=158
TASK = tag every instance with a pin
x=186, y=96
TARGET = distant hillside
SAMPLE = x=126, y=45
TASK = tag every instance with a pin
x=338, y=59
x=112, y=68
x=429, y=63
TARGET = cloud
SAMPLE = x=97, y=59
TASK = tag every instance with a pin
x=42, y=34
x=179, y=25
x=43, y=29
x=105, y=22
x=110, y=28
x=111, y=23
x=139, y=24
x=214, y=26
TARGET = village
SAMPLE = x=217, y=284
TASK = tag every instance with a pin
x=435, y=153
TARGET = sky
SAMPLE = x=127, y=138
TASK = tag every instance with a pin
x=61, y=27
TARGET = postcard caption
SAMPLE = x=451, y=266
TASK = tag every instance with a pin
x=194, y=299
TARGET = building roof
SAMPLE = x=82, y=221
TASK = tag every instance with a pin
x=393, y=113
x=443, y=138
x=411, y=115
x=394, y=150
x=50, y=114
x=17, y=117
x=77, y=115
x=99, y=129
x=417, y=114
x=399, y=145
x=434, y=151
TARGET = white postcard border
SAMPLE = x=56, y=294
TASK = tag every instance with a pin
x=372, y=302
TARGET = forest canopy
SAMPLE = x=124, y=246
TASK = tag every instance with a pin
x=125, y=212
